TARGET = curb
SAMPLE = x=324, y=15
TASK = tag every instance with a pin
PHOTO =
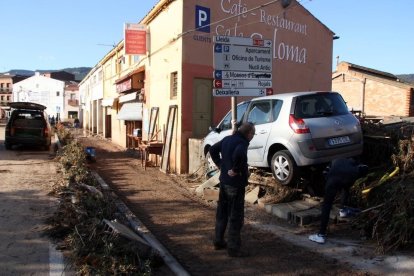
x=143, y=231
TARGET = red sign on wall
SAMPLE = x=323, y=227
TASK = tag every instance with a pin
x=124, y=86
x=135, y=42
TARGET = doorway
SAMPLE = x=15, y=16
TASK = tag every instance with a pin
x=202, y=106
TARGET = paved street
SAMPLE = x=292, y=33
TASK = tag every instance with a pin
x=25, y=179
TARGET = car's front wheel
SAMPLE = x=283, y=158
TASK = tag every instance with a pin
x=283, y=167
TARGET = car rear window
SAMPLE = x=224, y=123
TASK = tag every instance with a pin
x=28, y=118
x=320, y=105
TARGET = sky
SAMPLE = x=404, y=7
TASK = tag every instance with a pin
x=52, y=35
x=377, y=34
x=58, y=34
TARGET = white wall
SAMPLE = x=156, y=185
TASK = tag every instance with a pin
x=38, y=89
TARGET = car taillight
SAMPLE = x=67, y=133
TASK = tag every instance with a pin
x=46, y=132
x=11, y=131
x=298, y=125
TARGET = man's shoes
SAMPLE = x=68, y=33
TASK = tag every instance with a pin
x=343, y=213
x=318, y=238
x=220, y=245
x=348, y=212
x=237, y=253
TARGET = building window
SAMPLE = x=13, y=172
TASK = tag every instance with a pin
x=173, y=85
x=136, y=58
x=8, y=98
x=2, y=98
x=57, y=93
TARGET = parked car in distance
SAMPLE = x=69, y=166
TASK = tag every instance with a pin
x=293, y=131
x=28, y=125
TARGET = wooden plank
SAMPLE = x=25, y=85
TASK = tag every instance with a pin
x=211, y=182
x=252, y=196
x=165, y=158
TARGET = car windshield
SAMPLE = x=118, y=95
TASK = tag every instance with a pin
x=226, y=122
x=320, y=105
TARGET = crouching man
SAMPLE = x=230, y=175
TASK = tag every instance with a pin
x=341, y=176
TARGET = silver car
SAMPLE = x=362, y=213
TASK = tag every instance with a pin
x=294, y=130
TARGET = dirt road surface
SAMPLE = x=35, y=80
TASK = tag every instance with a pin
x=184, y=223
x=180, y=220
x=26, y=176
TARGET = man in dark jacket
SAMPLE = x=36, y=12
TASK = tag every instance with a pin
x=342, y=174
x=234, y=173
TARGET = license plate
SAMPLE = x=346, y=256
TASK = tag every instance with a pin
x=338, y=140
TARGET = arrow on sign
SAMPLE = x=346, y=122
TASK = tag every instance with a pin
x=218, y=48
x=218, y=74
x=218, y=84
x=269, y=91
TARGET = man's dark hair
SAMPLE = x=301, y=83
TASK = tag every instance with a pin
x=246, y=128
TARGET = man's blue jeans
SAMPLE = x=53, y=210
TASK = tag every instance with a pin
x=230, y=210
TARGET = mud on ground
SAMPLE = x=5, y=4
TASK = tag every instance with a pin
x=184, y=223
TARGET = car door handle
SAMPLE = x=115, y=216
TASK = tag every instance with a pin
x=262, y=131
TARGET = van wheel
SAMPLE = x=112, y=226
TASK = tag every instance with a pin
x=284, y=168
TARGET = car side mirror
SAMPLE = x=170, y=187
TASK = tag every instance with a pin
x=215, y=129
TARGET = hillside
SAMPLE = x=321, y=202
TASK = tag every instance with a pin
x=407, y=77
x=79, y=72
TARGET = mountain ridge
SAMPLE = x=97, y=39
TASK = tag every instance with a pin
x=78, y=72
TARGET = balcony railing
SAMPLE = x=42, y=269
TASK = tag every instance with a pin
x=73, y=102
x=6, y=90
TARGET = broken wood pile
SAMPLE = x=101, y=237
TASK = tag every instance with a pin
x=88, y=224
x=388, y=194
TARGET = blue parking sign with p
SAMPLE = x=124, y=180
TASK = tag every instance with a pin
x=202, y=19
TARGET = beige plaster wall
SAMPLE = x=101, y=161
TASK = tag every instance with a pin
x=164, y=58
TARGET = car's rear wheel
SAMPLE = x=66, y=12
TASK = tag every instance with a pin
x=284, y=168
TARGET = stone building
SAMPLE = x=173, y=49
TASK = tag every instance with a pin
x=373, y=92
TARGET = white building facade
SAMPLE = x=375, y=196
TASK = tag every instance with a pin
x=91, y=95
x=42, y=90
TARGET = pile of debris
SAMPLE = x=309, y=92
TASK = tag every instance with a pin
x=388, y=200
x=89, y=226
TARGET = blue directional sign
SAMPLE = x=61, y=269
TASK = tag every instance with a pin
x=242, y=66
x=218, y=48
x=218, y=74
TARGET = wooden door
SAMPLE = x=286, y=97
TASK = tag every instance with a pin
x=202, y=106
x=108, y=126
